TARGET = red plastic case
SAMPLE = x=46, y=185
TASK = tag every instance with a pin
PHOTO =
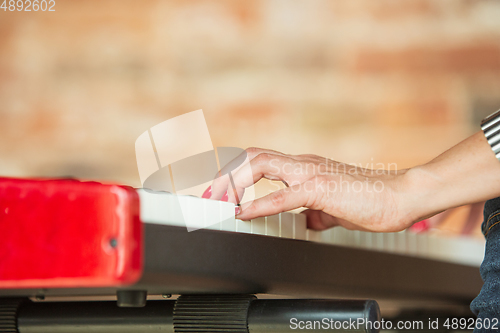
x=67, y=233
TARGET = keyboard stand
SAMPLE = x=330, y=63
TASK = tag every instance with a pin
x=218, y=262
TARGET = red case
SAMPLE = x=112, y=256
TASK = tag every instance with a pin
x=68, y=234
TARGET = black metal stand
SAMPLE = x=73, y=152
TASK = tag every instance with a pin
x=189, y=314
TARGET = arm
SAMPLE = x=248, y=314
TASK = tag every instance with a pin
x=376, y=200
x=467, y=173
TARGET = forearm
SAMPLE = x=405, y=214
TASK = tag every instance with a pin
x=467, y=173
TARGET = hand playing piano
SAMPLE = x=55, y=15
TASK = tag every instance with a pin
x=338, y=194
x=335, y=193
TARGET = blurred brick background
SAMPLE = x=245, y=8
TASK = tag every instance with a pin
x=362, y=81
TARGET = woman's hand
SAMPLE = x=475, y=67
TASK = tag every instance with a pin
x=357, y=198
x=335, y=193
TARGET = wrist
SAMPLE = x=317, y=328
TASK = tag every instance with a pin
x=421, y=194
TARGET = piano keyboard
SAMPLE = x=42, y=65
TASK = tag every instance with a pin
x=169, y=209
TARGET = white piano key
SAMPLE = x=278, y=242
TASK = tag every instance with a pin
x=378, y=241
x=309, y=235
x=183, y=203
x=422, y=244
x=228, y=222
x=228, y=225
x=160, y=208
x=433, y=245
x=346, y=237
x=455, y=249
x=212, y=214
x=338, y=236
x=150, y=206
x=381, y=241
x=368, y=241
x=356, y=238
x=299, y=226
x=243, y=226
x=196, y=207
x=286, y=225
x=468, y=251
x=175, y=211
x=362, y=239
x=192, y=212
x=390, y=242
x=258, y=226
x=227, y=210
x=400, y=242
x=326, y=236
x=313, y=235
x=438, y=247
x=411, y=243
x=273, y=225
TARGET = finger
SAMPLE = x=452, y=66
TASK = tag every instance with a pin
x=252, y=152
x=277, y=202
x=246, y=156
x=219, y=187
x=273, y=167
x=221, y=183
x=248, y=174
x=262, y=166
x=225, y=184
x=235, y=194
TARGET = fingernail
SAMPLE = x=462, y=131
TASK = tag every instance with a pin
x=237, y=210
x=225, y=197
x=208, y=193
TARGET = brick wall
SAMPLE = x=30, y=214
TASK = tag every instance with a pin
x=359, y=81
